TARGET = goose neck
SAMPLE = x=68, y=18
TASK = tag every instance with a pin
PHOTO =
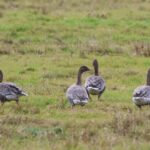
x=148, y=78
x=79, y=78
x=1, y=76
x=96, y=70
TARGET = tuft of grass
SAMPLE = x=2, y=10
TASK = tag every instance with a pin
x=142, y=49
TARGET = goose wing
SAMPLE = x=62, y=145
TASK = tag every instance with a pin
x=142, y=91
x=10, y=90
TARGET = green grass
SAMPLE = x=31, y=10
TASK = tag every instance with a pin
x=42, y=46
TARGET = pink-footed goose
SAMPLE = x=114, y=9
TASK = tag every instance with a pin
x=76, y=93
x=141, y=95
x=95, y=84
x=9, y=91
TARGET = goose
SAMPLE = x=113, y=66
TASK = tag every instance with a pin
x=95, y=84
x=141, y=95
x=9, y=91
x=76, y=93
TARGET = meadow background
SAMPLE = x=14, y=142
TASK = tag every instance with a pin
x=42, y=45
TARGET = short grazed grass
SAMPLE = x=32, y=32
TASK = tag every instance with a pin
x=42, y=46
x=46, y=115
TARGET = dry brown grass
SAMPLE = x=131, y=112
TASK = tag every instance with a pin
x=142, y=49
x=132, y=125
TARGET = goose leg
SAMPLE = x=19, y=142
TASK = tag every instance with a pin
x=99, y=97
x=2, y=100
x=72, y=106
x=17, y=102
x=2, y=103
x=82, y=104
x=89, y=95
x=140, y=107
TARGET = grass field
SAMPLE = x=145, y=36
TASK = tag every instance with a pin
x=42, y=45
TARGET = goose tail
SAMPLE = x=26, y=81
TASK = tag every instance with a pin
x=24, y=94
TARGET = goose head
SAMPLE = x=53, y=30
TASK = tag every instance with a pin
x=1, y=76
x=95, y=65
x=148, y=77
x=83, y=69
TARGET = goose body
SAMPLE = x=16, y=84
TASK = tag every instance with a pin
x=141, y=95
x=10, y=92
x=95, y=84
x=76, y=93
